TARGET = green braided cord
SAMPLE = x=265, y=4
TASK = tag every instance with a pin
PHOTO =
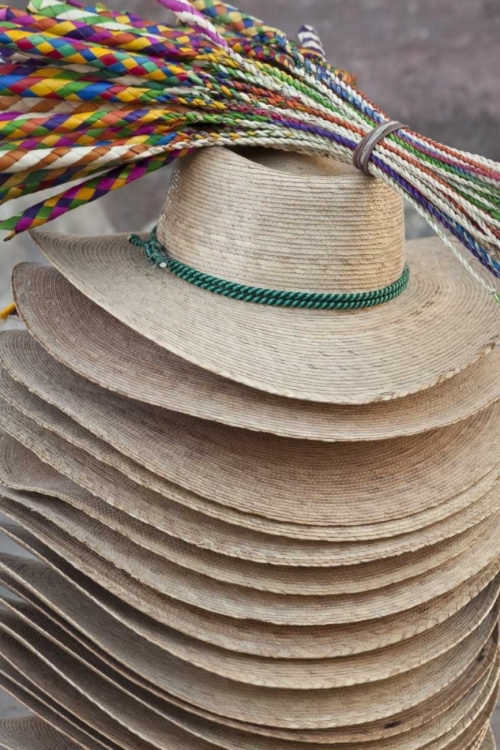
x=157, y=254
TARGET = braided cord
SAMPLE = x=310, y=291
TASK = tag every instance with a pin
x=86, y=91
x=157, y=254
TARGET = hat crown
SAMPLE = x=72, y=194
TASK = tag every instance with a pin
x=283, y=221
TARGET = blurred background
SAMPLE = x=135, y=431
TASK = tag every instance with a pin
x=434, y=65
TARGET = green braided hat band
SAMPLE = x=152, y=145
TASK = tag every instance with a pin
x=157, y=254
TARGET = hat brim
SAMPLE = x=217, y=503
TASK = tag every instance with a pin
x=300, y=709
x=447, y=728
x=58, y=549
x=211, y=533
x=20, y=470
x=273, y=477
x=55, y=596
x=158, y=585
x=40, y=426
x=163, y=551
x=57, y=315
x=441, y=324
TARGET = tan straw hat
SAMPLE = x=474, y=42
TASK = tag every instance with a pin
x=161, y=587
x=33, y=653
x=177, y=528
x=68, y=723
x=157, y=678
x=114, y=487
x=31, y=733
x=441, y=324
x=135, y=607
x=244, y=471
x=167, y=522
x=26, y=663
x=21, y=470
x=59, y=599
x=477, y=681
x=266, y=707
x=255, y=456
x=57, y=315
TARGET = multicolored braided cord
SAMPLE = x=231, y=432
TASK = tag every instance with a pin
x=102, y=98
x=158, y=254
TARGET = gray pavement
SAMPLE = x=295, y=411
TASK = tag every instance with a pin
x=433, y=65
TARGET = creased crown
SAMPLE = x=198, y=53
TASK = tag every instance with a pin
x=283, y=221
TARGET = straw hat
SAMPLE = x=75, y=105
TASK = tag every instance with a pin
x=167, y=522
x=58, y=599
x=31, y=733
x=227, y=738
x=159, y=680
x=21, y=470
x=257, y=527
x=154, y=578
x=278, y=708
x=48, y=681
x=57, y=315
x=242, y=221
x=112, y=486
x=67, y=556
x=236, y=468
x=68, y=724
x=92, y=687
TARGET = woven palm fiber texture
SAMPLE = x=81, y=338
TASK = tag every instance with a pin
x=204, y=580
x=239, y=539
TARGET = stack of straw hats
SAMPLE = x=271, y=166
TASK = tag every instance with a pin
x=256, y=527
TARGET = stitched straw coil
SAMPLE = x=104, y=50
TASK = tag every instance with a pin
x=241, y=470
x=29, y=581
x=18, y=683
x=349, y=705
x=33, y=582
x=195, y=528
x=57, y=315
x=21, y=470
x=247, y=636
x=31, y=733
x=98, y=478
x=361, y=356
x=164, y=586
x=15, y=682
